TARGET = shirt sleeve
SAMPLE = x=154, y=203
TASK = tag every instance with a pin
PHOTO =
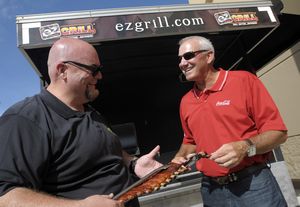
x=262, y=107
x=24, y=152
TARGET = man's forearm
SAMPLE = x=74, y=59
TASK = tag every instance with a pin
x=22, y=197
x=268, y=140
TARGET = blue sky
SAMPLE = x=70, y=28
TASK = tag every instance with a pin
x=17, y=78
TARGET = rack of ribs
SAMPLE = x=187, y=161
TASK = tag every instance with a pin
x=157, y=179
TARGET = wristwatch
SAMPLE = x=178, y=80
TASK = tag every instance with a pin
x=252, y=148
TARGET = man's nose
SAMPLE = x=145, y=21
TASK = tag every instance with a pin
x=182, y=63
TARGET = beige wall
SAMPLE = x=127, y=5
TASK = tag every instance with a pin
x=282, y=78
x=291, y=6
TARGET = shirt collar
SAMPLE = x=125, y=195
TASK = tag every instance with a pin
x=217, y=86
x=58, y=106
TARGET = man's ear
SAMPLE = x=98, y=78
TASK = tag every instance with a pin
x=61, y=70
x=210, y=57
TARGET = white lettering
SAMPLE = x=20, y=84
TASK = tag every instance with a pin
x=154, y=23
x=197, y=21
x=138, y=27
x=146, y=24
x=128, y=28
x=186, y=22
x=119, y=27
x=223, y=103
x=166, y=21
x=178, y=22
x=158, y=22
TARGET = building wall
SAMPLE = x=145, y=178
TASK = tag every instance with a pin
x=291, y=6
x=282, y=79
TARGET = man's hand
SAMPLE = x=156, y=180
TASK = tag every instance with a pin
x=185, y=152
x=23, y=197
x=231, y=154
x=181, y=160
x=101, y=200
x=147, y=163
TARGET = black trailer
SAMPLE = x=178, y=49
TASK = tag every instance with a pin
x=142, y=85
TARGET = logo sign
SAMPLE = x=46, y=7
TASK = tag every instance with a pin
x=236, y=19
x=244, y=18
x=50, y=31
x=223, y=18
x=81, y=30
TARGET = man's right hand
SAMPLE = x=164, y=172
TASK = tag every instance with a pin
x=185, y=152
x=100, y=201
x=23, y=197
x=181, y=160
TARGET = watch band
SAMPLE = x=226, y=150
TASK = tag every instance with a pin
x=252, y=148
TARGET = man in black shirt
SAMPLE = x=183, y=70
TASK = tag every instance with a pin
x=54, y=148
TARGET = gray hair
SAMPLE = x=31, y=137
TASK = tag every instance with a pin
x=203, y=42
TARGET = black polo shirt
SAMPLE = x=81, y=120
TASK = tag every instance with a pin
x=44, y=145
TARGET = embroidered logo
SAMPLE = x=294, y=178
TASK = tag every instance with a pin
x=223, y=103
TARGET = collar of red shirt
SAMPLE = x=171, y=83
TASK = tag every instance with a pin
x=219, y=84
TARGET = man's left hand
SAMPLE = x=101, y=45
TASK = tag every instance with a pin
x=231, y=154
x=147, y=163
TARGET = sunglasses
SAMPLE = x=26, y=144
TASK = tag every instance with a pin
x=190, y=55
x=94, y=69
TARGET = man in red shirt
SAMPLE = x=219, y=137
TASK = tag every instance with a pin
x=231, y=116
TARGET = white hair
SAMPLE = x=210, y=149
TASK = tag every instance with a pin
x=204, y=43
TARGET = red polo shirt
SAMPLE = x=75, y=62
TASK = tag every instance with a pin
x=236, y=107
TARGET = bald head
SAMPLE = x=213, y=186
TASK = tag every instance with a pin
x=72, y=84
x=70, y=49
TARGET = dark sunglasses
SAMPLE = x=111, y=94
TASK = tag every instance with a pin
x=94, y=69
x=190, y=55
